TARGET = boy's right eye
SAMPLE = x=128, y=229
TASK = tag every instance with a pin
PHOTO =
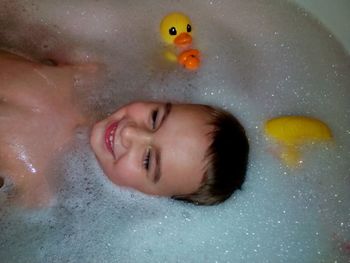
x=154, y=118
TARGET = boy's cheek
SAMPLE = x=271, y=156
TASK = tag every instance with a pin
x=125, y=173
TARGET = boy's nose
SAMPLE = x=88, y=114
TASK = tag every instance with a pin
x=133, y=134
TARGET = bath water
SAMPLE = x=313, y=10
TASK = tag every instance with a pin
x=260, y=59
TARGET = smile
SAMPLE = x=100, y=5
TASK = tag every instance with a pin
x=109, y=136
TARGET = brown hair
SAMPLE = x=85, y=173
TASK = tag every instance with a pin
x=226, y=157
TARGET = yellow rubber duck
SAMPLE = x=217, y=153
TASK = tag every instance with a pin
x=176, y=30
x=293, y=132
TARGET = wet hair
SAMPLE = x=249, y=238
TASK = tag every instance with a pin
x=226, y=160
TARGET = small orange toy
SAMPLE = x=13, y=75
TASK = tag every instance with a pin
x=189, y=59
x=292, y=132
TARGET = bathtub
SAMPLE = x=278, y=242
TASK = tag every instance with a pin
x=334, y=16
x=261, y=59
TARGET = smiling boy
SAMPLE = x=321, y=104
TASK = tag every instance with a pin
x=189, y=152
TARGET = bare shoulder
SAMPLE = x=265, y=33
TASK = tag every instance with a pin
x=39, y=115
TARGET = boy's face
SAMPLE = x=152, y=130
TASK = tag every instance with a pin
x=156, y=148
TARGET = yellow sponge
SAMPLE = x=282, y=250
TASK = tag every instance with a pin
x=294, y=131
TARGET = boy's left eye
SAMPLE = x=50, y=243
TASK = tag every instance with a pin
x=154, y=119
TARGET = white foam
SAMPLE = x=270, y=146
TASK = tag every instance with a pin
x=261, y=59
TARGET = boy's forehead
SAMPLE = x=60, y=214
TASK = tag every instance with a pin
x=194, y=112
x=184, y=170
x=190, y=126
x=184, y=147
x=190, y=121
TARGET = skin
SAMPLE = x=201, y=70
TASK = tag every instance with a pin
x=38, y=117
x=173, y=138
x=157, y=149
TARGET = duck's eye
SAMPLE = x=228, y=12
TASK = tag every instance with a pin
x=189, y=28
x=172, y=31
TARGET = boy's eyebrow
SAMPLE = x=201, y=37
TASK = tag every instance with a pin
x=157, y=173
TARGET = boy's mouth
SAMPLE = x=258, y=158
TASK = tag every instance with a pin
x=109, y=137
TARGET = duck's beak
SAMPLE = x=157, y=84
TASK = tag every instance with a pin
x=183, y=39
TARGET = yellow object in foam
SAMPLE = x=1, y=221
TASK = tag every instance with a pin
x=174, y=25
x=293, y=132
x=176, y=31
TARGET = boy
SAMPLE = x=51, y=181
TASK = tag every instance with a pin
x=183, y=151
